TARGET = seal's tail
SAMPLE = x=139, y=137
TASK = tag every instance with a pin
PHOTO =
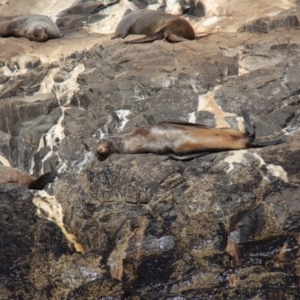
x=251, y=133
x=249, y=126
x=40, y=182
x=267, y=143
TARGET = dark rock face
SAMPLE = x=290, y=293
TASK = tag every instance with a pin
x=20, y=261
x=143, y=226
x=23, y=124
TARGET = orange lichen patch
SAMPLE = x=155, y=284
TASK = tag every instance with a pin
x=119, y=254
x=233, y=250
x=140, y=236
x=234, y=280
x=282, y=256
x=49, y=208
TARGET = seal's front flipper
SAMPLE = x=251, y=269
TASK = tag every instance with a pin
x=119, y=36
x=267, y=143
x=40, y=182
x=249, y=126
x=147, y=39
x=187, y=156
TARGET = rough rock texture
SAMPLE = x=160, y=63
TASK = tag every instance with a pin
x=222, y=226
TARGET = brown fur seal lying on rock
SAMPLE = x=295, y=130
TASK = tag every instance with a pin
x=156, y=25
x=11, y=175
x=182, y=140
x=35, y=27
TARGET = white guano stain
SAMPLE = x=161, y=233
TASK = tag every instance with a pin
x=238, y=157
x=122, y=114
x=173, y=7
x=50, y=7
x=210, y=21
x=49, y=208
x=192, y=117
x=99, y=133
x=63, y=91
x=291, y=130
x=4, y=161
x=274, y=170
x=87, y=156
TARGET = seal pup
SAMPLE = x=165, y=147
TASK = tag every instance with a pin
x=182, y=140
x=12, y=175
x=34, y=27
x=156, y=25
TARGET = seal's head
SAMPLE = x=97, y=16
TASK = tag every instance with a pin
x=39, y=34
x=104, y=148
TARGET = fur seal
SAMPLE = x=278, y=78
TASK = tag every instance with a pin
x=34, y=27
x=156, y=25
x=12, y=175
x=182, y=140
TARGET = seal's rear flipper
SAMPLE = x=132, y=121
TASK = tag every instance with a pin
x=267, y=143
x=249, y=126
x=40, y=182
x=187, y=156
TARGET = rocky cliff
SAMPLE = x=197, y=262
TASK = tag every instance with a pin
x=143, y=226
